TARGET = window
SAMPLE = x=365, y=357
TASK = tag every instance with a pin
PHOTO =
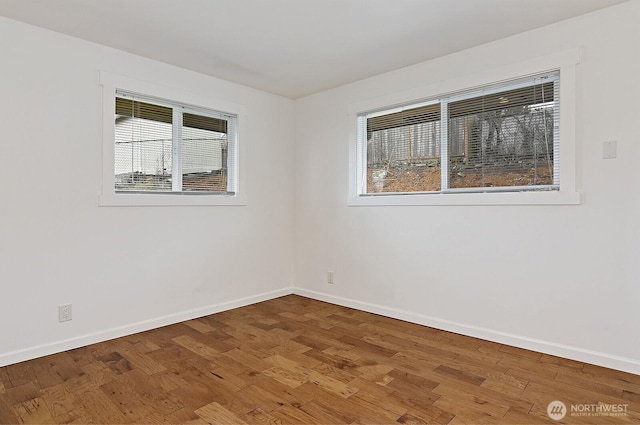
x=166, y=147
x=497, y=138
x=158, y=152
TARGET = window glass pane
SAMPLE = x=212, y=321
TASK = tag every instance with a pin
x=166, y=147
x=143, y=146
x=403, y=150
x=503, y=139
x=204, y=153
x=496, y=138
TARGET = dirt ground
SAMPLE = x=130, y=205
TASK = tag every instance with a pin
x=411, y=178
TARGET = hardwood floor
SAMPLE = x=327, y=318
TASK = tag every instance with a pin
x=293, y=360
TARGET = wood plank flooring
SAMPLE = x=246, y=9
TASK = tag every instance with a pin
x=294, y=360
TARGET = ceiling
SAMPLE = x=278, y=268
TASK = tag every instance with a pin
x=294, y=47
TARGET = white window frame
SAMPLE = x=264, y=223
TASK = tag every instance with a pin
x=110, y=197
x=565, y=62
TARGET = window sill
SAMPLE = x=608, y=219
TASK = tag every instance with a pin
x=436, y=199
x=168, y=200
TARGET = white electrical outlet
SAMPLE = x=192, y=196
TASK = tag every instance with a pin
x=64, y=313
x=330, y=278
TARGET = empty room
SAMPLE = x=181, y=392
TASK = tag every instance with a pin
x=320, y=211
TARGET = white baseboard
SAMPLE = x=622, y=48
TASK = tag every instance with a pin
x=574, y=353
x=92, y=338
x=569, y=352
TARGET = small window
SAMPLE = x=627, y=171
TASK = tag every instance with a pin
x=166, y=147
x=497, y=138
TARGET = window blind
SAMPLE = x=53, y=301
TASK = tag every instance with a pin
x=165, y=147
x=143, y=146
x=500, y=137
x=505, y=137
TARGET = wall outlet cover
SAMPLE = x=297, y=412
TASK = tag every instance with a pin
x=64, y=313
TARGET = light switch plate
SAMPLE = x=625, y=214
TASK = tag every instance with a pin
x=609, y=149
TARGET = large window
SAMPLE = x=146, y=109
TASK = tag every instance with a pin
x=497, y=138
x=166, y=147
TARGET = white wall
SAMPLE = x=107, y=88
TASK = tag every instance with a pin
x=563, y=279
x=113, y=264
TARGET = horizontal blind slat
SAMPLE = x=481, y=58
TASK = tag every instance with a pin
x=418, y=115
x=525, y=96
